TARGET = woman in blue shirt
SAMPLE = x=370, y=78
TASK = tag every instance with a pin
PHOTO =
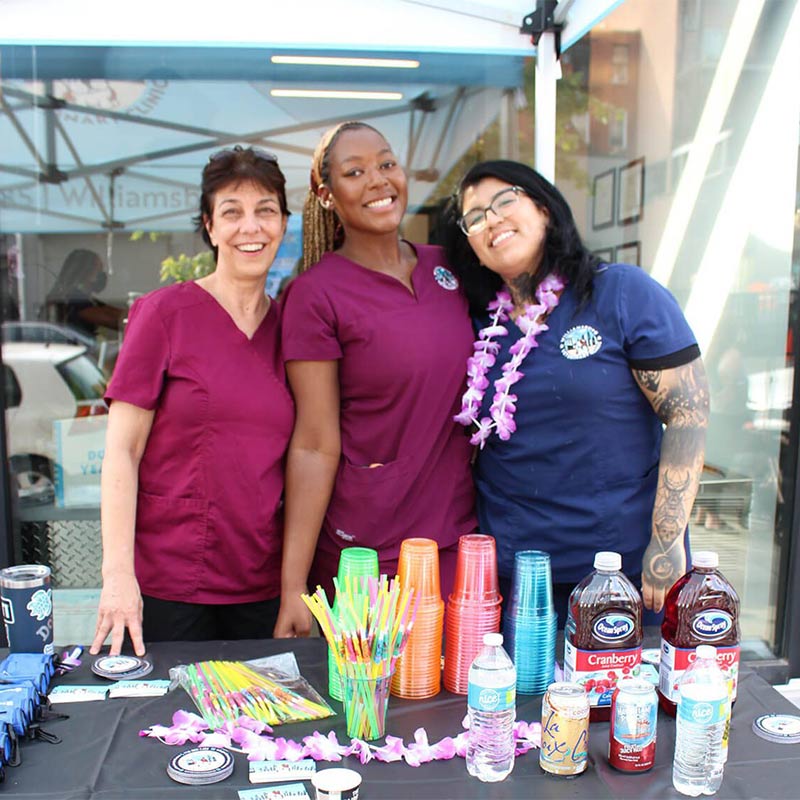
x=591, y=411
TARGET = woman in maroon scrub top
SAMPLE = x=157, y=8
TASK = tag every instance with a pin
x=199, y=421
x=375, y=335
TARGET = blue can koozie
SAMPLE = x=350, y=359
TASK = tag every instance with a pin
x=27, y=601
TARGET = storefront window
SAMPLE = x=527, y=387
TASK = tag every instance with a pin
x=700, y=191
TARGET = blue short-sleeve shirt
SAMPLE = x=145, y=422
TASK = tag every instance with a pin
x=579, y=474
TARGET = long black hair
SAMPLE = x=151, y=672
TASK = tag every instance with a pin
x=564, y=251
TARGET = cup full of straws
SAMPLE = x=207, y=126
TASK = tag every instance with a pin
x=367, y=635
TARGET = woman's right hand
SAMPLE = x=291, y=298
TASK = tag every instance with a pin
x=294, y=618
x=120, y=608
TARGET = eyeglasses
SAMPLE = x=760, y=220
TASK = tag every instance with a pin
x=474, y=221
x=258, y=152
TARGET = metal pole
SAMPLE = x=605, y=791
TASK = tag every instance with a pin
x=548, y=71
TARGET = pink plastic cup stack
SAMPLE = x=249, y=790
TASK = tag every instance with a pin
x=472, y=609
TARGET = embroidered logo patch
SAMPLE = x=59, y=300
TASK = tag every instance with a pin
x=445, y=278
x=581, y=341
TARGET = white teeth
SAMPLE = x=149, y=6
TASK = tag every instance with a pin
x=250, y=248
x=380, y=203
x=502, y=237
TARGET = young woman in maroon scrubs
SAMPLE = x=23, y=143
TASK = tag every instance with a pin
x=199, y=422
x=375, y=336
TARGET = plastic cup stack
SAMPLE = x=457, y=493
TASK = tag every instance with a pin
x=472, y=609
x=355, y=562
x=530, y=623
x=418, y=673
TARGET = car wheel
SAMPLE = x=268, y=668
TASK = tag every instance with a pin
x=32, y=477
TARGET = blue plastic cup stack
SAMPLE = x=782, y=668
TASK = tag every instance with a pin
x=530, y=623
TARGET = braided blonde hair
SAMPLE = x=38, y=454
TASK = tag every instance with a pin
x=321, y=226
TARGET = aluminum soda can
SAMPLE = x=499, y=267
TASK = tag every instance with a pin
x=634, y=715
x=565, y=729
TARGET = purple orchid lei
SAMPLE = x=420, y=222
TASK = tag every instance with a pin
x=503, y=408
x=254, y=738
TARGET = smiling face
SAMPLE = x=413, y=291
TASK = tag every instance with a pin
x=509, y=245
x=366, y=186
x=246, y=226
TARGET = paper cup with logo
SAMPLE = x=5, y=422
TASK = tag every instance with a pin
x=336, y=784
x=27, y=601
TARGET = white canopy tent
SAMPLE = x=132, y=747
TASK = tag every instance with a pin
x=94, y=108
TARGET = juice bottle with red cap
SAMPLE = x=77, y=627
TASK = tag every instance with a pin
x=701, y=608
x=603, y=634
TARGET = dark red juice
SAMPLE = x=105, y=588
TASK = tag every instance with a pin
x=603, y=634
x=701, y=608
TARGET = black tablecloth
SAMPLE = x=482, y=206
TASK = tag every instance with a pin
x=101, y=755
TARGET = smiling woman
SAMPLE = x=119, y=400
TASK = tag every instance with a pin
x=375, y=335
x=199, y=421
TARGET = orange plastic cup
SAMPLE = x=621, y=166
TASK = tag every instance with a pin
x=418, y=672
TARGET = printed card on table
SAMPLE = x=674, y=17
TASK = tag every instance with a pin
x=286, y=791
x=77, y=694
x=139, y=688
x=269, y=771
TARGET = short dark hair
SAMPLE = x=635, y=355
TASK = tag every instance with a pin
x=564, y=251
x=238, y=164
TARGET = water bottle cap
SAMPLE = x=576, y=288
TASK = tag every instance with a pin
x=706, y=651
x=707, y=559
x=493, y=639
x=608, y=561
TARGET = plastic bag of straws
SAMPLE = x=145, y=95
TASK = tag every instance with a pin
x=269, y=690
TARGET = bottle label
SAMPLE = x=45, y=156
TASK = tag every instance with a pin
x=676, y=660
x=712, y=625
x=483, y=698
x=703, y=712
x=599, y=670
x=613, y=628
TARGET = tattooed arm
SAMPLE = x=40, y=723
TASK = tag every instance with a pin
x=679, y=397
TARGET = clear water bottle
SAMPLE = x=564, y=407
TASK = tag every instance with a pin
x=491, y=701
x=701, y=735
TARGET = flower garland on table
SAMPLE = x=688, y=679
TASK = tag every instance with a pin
x=503, y=408
x=250, y=736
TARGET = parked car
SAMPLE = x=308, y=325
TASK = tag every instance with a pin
x=45, y=382
x=103, y=351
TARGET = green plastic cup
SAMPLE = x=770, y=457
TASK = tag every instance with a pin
x=356, y=562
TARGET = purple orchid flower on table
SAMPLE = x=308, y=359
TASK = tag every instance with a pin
x=323, y=748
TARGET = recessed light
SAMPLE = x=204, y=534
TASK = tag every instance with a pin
x=336, y=94
x=336, y=61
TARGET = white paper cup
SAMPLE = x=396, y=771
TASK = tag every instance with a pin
x=336, y=784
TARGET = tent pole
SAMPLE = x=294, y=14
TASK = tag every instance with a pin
x=548, y=71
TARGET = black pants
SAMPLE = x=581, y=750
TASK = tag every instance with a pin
x=171, y=621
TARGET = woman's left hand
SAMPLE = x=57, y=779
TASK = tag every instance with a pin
x=659, y=571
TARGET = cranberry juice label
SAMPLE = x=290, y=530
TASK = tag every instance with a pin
x=599, y=670
x=676, y=660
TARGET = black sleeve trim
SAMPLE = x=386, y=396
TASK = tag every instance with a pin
x=671, y=361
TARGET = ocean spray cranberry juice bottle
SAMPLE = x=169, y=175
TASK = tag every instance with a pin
x=603, y=634
x=701, y=608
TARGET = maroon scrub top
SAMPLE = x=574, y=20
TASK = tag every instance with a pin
x=208, y=515
x=401, y=358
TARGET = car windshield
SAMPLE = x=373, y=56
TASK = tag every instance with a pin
x=83, y=377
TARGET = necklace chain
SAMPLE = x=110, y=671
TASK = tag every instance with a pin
x=531, y=323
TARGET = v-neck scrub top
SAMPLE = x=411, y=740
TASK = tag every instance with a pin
x=579, y=475
x=208, y=515
x=401, y=372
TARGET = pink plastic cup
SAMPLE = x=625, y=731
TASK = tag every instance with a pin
x=476, y=569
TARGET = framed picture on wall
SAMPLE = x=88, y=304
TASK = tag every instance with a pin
x=605, y=254
x=630, y=204
x=603, y=193
x=629, y=253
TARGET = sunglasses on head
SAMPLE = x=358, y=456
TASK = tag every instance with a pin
x=258, y=152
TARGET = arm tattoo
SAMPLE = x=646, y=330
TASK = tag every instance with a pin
x=680, y=399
